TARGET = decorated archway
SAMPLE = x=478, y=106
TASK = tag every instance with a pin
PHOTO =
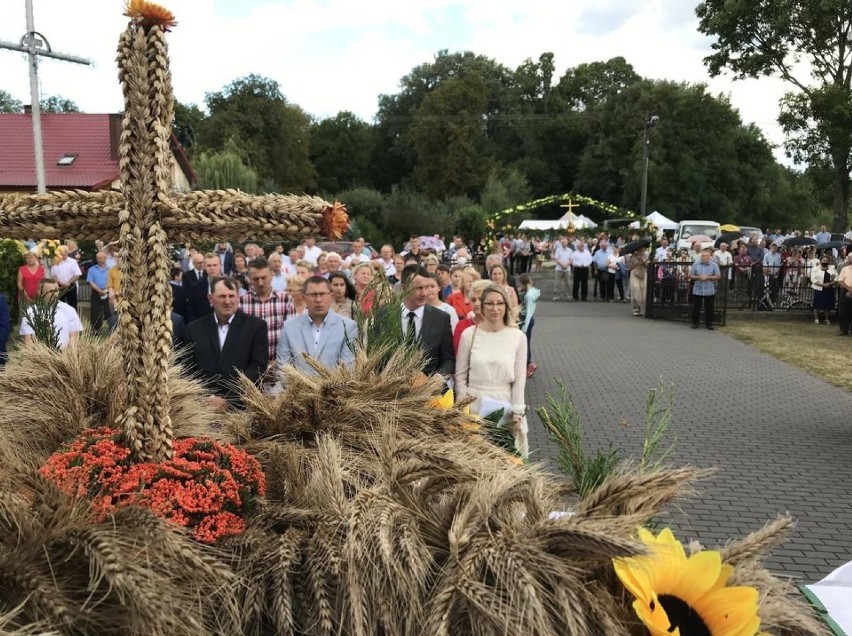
x=573, y=200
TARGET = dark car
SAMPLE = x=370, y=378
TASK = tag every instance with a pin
x=344, y=248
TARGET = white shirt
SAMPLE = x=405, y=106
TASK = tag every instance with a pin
x=67, y=322
x=660, y=253
x=223, y=330
x=390, y=269
x=562, y=254
x=581, y=259
x=418, y=319
x=65, y=271
x=312, y=253
x=317, y=331
x=279, y=282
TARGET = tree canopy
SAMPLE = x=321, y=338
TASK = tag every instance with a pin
x=808, y=44
x=465, y=136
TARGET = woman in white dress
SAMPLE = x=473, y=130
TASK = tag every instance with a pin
x=492, y=362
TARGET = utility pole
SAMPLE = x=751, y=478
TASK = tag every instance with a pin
x=650, y=122
x=34, y=44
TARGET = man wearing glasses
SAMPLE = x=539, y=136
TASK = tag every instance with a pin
x=319, y=333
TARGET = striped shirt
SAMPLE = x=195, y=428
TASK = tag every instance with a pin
x=274, y=310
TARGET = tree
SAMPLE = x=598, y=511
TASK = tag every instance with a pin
x=272, y=134
x=52, y=104
x=449, y=137
x=189, y=119
x=341, y=147
x=394, y=157
x=225, y=169
x=774, y=37
x=58, y=104
x=9, y=104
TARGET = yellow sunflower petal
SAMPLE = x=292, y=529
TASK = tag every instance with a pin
x=700, y=574
x=444, y=402
x=654, y=617
x=633, y=575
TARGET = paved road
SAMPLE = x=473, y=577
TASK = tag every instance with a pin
x=782, y=440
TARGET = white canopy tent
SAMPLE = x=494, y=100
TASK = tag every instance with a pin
x=659, y=220
x=579, y=222
x=541, y=226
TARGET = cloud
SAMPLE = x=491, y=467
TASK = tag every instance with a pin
x=605, y=17
x=332, y=55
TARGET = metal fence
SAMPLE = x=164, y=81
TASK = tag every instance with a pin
x=755, y=289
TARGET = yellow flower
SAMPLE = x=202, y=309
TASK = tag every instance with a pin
x=678, y=595
x=446, y=401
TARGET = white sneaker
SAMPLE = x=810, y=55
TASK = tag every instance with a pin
x=816, y=321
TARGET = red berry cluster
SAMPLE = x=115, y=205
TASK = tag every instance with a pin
x=207, y=486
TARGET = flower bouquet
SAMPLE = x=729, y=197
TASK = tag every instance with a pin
x=46, y=249
x=207, y=487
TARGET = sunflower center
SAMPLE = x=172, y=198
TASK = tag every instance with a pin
x=682, y=616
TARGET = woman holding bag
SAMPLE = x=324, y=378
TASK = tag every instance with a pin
x=492, y=363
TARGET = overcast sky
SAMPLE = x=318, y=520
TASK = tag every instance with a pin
x=333, y=55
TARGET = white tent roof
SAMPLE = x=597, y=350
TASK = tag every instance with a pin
x=659, y=220
x=579, y=222
x=557, y=224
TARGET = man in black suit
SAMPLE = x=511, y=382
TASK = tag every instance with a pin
x=195, y=272
x=431, y=326
x=228, y=341
x=198, y=295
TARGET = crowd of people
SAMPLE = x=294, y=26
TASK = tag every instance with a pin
x=757, y=269
x=245, y=311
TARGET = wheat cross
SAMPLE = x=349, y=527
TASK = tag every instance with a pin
x=145, y=215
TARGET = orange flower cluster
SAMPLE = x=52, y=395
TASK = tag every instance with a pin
x=207, y=486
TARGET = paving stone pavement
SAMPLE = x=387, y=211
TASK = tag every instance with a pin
x=781, y=439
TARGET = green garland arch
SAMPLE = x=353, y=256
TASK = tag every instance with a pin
x=608, y=208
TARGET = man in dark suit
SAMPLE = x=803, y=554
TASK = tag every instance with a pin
x=178, y=293
x=195, y=272
x=226, y=258
x=226, y=342
x=431, y=325
x=198, y=295
x=5, y=328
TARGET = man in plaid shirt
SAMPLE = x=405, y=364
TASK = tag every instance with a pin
x=271, y=306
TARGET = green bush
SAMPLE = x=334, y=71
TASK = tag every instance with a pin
x=11, y=258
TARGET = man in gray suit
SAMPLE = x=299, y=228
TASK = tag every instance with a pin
x=319, y=333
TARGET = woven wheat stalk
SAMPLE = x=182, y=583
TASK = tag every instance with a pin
x=145, y=214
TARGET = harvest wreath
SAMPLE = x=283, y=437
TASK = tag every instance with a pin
x=381, y=514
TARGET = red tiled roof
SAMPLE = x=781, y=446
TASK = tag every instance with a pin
x=87, y=135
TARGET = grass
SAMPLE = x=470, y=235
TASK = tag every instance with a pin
x=817, y=350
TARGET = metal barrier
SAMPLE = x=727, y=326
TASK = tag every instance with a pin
x=669, y=293
x=786, y=288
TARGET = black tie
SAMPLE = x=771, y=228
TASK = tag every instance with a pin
x=412, y=331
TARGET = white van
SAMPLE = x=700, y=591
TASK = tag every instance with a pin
x=687, y=229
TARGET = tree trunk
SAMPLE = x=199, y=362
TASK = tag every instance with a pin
x=840, y=222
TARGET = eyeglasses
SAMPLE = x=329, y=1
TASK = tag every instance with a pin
x=824, y=263
x=494, y=305
x=317, y=295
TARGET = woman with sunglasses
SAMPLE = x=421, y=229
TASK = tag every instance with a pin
x=823, y=283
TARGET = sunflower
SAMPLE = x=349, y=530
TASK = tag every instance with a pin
x=678, y=595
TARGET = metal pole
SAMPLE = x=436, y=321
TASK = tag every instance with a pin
x=35, y=106
x=650, y=122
